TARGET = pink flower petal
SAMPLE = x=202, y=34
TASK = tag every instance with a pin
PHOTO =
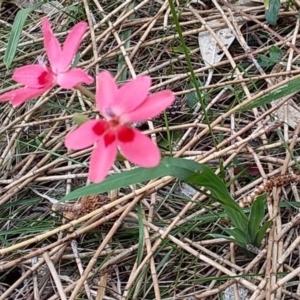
x=51, y=45
x=71, y=45
x=82, y=137
x=138, y=148
x=131, y=95
x=151, y=107
x=19, y=96
x=34, y=76
x=102, y=158
x=106, y=93
x=73, y=77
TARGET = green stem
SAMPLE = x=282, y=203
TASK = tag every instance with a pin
x=85, y=91
x=189, y=63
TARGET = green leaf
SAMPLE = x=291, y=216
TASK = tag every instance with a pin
x=222, y=236
x=261, y=233
x=4, y=241
x=265, y=61
x=125, y=36
x=186, y=170
x=237, y=217
x=243, y=245
x=231, y=239
x=141, y=234
x=76, y=60
x=208, y=179
x=15, y=33
x=289, y=88
x=257, y=213
x=192, y=98
x=179, y=49
x=272, y=11
x=79, y=119
x=240, y=237
x=275, y=53
x=164, y=260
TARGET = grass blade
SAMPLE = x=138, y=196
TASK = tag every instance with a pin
x=239, y=236
x=290, y=88
x=141, y=234
x=15, y=34
x=237, y=217
x=261, y=233
x=256, y=215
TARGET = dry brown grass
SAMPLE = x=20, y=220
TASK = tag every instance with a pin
x=41, y=258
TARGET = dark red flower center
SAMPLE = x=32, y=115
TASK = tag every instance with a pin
x=112, y=130
x=45, y=78
x=125, y=134
x=100, y=127
x=109, y=138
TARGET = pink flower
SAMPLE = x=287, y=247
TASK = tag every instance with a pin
x=39, y=78
x=120, y=106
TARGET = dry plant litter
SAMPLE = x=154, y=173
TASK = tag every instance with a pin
x=153, y=240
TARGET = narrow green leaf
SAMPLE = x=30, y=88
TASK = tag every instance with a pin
x=16, y=31
x=221, y=236
x=180, y=49
x=138, y=175
x=261, y=233
x=243, y=246
x=272, y=11
x=237, y=217
x=76, y=60
x=289, y=88
x=141, y=234
x=240, y=237
x=257, y=213
x=163, y=262
x=208, y=179
x=121, y=60
x=125, y=36
x=189, y=171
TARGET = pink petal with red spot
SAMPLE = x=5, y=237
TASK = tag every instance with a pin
x=141, y=150
x=106, y=93
x=71, y=45
x=131, y=95
x=101, y=160
x=73, y=77
x=151, y=107
x=34, y=76
x=84, y=136
x=19, y=96
x=51, y=45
